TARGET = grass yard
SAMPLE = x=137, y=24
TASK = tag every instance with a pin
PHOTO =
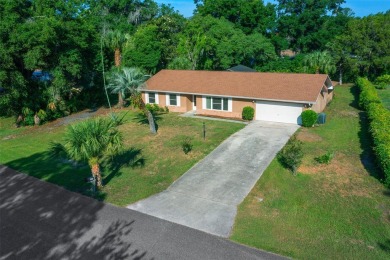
x=335, y=211
x=384, y=95
x=149, y=166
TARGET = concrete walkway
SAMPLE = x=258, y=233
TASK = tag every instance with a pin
x=206, y=197
x=42, y=221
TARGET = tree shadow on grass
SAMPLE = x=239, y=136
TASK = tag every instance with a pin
x=367, y=157
x=131, y=158
x=355, y=93
x=142, y=119
x=385, y=246
x=43, y=221
x=59, y=171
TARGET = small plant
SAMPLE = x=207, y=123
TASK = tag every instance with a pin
x=382, y=82
x=166, y=109
x=156, y=108
x=383, y=79
x=42, y=115
x=381, y=85
x=186, y=145
x=325, y=158
x=291, y=154
x=152, y=108
x=28, y=116
x=309, y=118
x=248, y=113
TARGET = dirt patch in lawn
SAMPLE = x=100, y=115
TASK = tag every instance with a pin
x=348, y=113
x=340, y=176
x=305, y=136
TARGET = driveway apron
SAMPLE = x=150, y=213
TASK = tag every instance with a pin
x=206, y=197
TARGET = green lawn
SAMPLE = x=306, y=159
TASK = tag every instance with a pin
x=384, y=95
x=335, y=211
x=153, y=162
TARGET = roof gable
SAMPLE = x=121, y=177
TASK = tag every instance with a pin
x=241, y=68
x=257, y=85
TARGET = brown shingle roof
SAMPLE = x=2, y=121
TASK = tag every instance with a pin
x=256, y=85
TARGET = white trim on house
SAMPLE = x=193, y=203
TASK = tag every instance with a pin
x=230, y=103
x=147, y=97
x=168, y=100
x=238, y=97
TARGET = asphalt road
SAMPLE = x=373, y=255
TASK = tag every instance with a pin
x=42, y=221
x=207, y=196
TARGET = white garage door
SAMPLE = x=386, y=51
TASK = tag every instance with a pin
x=278, y=112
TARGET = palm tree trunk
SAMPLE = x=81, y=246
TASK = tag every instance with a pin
x=120, y=100
x=152, y=125
x=117, y=57
x=95, y=169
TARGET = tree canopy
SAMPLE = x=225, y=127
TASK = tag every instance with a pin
x=63, y=40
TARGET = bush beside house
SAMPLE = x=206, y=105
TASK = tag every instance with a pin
x=248, y=113
x=309, y=118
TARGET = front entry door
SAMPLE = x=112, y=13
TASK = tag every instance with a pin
x=193, y=102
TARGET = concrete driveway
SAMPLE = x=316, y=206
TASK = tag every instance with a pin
x=206, y=197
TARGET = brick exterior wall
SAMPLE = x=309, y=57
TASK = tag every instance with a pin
x=185, y=102
x=237, y=106
x=322, y=100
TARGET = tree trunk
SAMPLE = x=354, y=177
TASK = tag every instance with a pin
x=19, y=120
x=95, y=169
x=152, y=125
x=341, y=76
x=120, y=100
x=117, y=57
x=37, y=120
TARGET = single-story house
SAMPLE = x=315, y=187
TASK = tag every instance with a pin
x=278, y=97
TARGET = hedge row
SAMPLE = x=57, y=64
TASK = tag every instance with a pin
x=379, y=118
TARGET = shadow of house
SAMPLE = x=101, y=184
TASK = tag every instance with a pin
x=42, y=221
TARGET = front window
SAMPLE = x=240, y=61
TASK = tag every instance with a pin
x=172, y=99
x=217, y=103
x=152, y=98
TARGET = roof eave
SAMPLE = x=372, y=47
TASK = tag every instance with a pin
x=231, y=96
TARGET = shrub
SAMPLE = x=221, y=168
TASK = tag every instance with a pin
x=152, y=107
x=379, y=118
x=325, y=158
x=42, y=115
x=187, y=145
x=28, y=116
x=309, y=118
x=383, y=79
x=368, y=93
x=248, y=113
x=291, y=154
x=381, y=85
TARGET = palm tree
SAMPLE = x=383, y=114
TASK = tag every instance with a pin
x=320, y=62
x=115, y=40
x=125, y=80
x=131, y=80
x=91, y=141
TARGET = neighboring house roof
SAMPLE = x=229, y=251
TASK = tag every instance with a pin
x=241, y=68
x=288, y=53
x=266, y=86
